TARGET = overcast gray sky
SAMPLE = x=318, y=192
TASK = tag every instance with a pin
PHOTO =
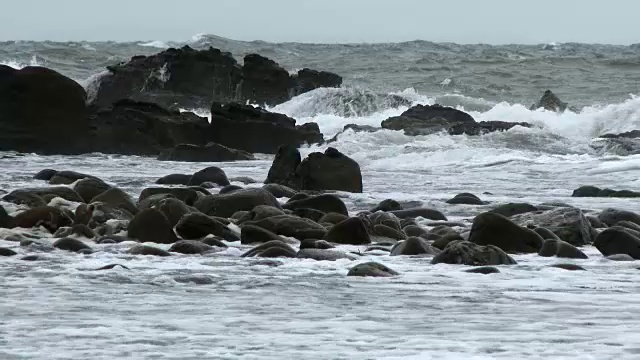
x=463, y=21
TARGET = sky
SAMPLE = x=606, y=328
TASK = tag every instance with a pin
x=325, y=21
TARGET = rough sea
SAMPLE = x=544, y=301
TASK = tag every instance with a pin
x=238, y=308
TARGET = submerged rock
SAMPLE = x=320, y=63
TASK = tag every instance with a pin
x=494, y=229
x=225, y=205
x=428, y=119
x=592, y=191
x=468, y=253
x=618, y=240
x=568, y=223
x=562, y=249
x=372, y=269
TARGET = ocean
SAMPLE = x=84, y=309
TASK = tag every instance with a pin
x=57, y=308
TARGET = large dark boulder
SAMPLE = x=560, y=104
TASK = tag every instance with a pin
x=512, y=209
x=211, y=152
x=330, y=170
x=151, y=225
x=413, y=246
x=428, y=119
x=372, y=269
x=352, y=231
x=174, y=179
x=88, y=188
x=618, y=240
x=225, y=205
x=551, y=102
x=612, y=216
x=292, y=226
x=197, y=226
x=256, y=130
x=494, y=229
x=484, y=127
x=41, y=111
x=307, y=79
x=592, y=191
x=562, y=249
x=118, y=198
x=568, y=223
x=67, y=177
x=468, y=253
x=49, y=217
x=211, y=174
x=140, y=128
x=326, y=203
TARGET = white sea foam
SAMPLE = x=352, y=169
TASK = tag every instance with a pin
x=155, y=44
x=17, y=64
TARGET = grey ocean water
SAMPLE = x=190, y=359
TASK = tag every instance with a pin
x=57, y=308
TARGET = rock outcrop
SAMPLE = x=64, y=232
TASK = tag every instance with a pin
x=211, y=152
x=428, y=119
x=551, y=102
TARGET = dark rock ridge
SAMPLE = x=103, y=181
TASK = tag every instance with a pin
x=330, y=170
x=592, y=191
x=551, y=102
x=211, y=152
x=189, y=78
x=256, y=130
x=430, y=119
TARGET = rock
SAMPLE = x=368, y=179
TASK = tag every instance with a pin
x=426, y=213
x=174, y=210
x=70, y=244
x=466, y=199
x=57, y=191
x=280, y=191
x=618, y=240
x=67, y=177
x=596, y=223
x=20, y=197
x=620, y=257
x=147, y=251
x=387, y=205
x=371, y=269
x=322, y=255
x=118, y=198
x=628, y=134
x=261, y=212
x=612, y=216
x=198, y=280
x=443, y=240
x=326, y=203
x=225, y=205
x=486, y=270
x=330, y=171
x=284, y=166
x=243, y=179
x=254, y=234
x=351, y=231
x=291, y=226
x=187, y=195
x=427, y=119
x=229, y=189
x=307, y=213
x=592, y=191
x=30, y=258
x=414, y=230
x=196, y=226
x=546, y=234
x=211, y=152
x=45, y=174
x=332, y=218
x=111, y=239
x=315, y=244
x=271, y=249
x=213, y=174
x=621, y=146
x=36, y=245
x=213, y=241
x=7, y=252
x=562, y=249
x=493, y=229
x=139, y=128
x=551, y=102
x=511, y=209
x=100, y=213
x=307, y=79
x=569, y=224
x=49, y=217
x=189, y=247
x=111, y=266
x=76, y=230
x=413, y=246
x=56, y=125
x=629, y=225
x=174, y=179
x=484, y=127
x=256, y=130
x=570, y=267
x=89, y=188
x=151, y=225
x=468, y=253
x=388, y=232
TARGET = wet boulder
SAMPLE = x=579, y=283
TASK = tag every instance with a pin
x=174, y=179
x=468, y=253
x=562, y=249
x=151, y=225
x=225, y=205
x=426, y=213
x=372, y=269
x=466, y=199
x=484, y=127
x=49, y=217
x=71, y=244
x=271, y=249
x=326, y=203
x=88, y=188
x=54, y=191
x=212, y=174
x=351, y=231
x=118, y=198
x=428, y=119
x=568, y=223
x=257, y=130
x=280, y=191
x=323, y=255
x=330, y=170
x=387, y=205
x=147, y=250
x=550, y=102
x=254, y=234
x=197, y=226
x=7, y=252
x=512, y=209
x=291, y=226
x=592, y=191
x=187, y=195
x=41, y=111
x=211, y=152
x=413, y=246
x=21, y=197
x=174, y=209
x=190, y=247
x=45, y=174
x=612, y=216
x=618, y=240
x=100, y=213
x=494, y=229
